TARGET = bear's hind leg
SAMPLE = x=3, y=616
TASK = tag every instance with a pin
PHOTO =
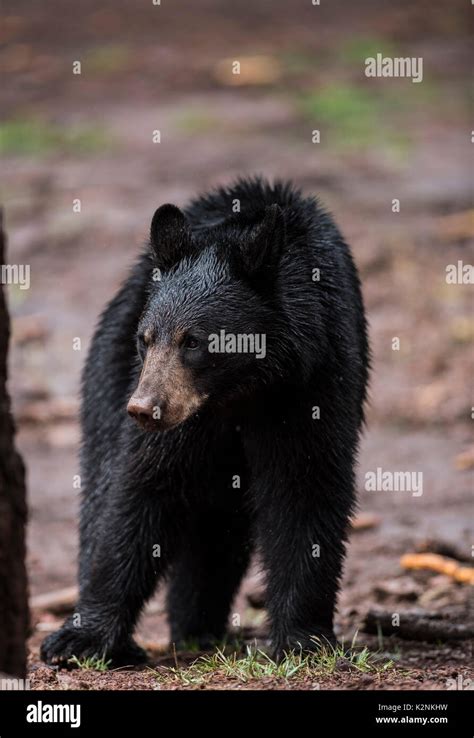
x=303, y=490
x=207, y=575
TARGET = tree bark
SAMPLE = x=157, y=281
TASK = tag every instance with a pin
x=14, y=614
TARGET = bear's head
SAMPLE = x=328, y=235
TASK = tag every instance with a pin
x=207, y=333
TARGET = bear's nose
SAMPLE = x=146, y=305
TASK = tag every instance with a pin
x=142, y=409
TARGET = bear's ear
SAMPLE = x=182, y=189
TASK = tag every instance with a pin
x=266, y=241
x=170, y=235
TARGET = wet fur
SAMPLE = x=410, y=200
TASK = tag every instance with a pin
x=176, y=489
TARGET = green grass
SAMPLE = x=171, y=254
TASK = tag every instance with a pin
x=299, y=61
x=39, y=137
x=91, y=663
x=350, y=54
x=197, y=120
x=255, y=664
x=354, y=116
x=110, y=58
x=358, y=49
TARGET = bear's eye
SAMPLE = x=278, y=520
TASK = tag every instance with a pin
x=191, y=343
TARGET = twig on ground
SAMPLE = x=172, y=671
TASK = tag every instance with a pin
x=415, y=627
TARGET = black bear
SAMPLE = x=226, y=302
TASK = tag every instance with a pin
x=238, y=346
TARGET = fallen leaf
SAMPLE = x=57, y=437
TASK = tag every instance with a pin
x=247, y=70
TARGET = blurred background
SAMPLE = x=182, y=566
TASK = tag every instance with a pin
x=92, y=137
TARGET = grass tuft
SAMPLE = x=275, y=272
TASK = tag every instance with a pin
x=91, y=663
x=255, y=664
x=35, y=137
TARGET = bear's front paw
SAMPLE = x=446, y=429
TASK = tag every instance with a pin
x=59, y=648
x=304, y=643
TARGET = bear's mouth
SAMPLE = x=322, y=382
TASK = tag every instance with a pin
x=150, y=425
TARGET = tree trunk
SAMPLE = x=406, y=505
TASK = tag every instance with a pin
x=14, y=615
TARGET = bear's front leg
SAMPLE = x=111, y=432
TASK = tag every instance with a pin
x=303, y=489
x=133, y=540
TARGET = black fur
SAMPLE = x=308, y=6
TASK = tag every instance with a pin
x=248, y=272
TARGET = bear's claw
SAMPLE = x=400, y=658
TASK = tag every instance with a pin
x=59, y=648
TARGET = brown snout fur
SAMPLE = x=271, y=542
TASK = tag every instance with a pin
x=165, y=395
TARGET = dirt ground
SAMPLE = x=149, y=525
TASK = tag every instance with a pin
x=89, y=136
